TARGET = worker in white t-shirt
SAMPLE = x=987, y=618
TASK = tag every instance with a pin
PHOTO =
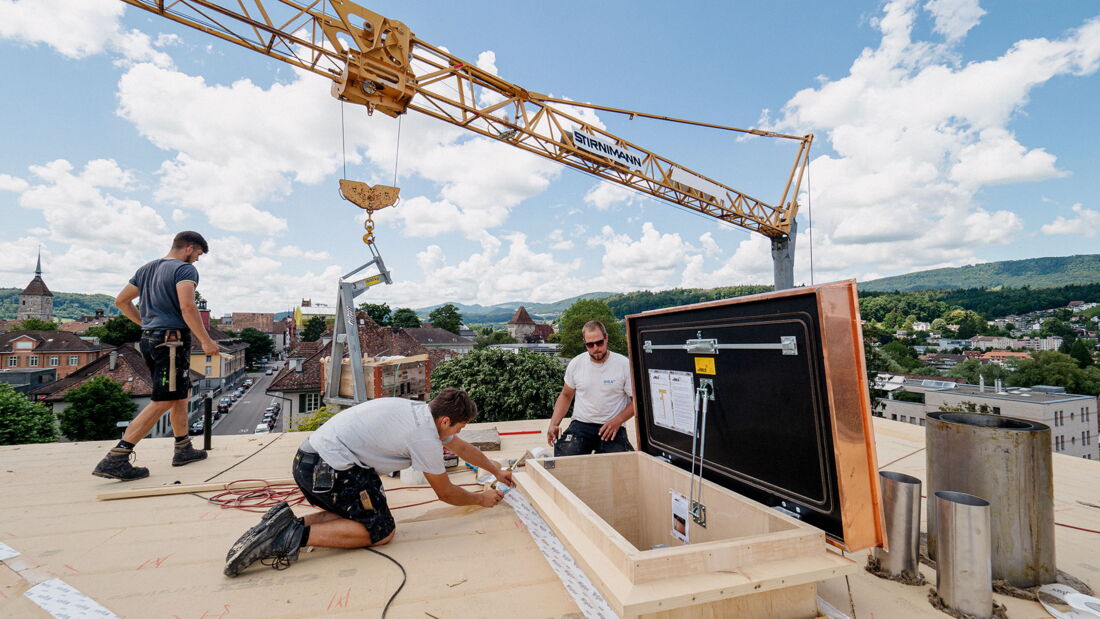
x=600, y=380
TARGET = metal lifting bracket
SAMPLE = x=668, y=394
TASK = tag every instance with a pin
x=699, y=346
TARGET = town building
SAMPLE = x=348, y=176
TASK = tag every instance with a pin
x=260, y=321
x=1052, y=342
x=221, y=371
x=62, y=351
x=525, y=330
x=36, y=300
x=434, y=338
x=26, y=380
x=125, y=366
x=1072, y=418
x=81, y=325
x=308, y=309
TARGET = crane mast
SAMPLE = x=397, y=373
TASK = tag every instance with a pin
x=379, y=63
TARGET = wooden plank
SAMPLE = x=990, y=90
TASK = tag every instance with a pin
x=485, y=439
x=791, y=603
x=216, y=486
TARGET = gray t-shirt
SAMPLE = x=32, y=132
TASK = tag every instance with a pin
x=387, y=434
x=160, y=303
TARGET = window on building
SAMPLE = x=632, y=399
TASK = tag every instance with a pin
x=74, y=360
x=996, y=410
x=894, y=417
x=903, y=418
x=13, y=361
x=209, y=370
x=311, y=401
x=32, y=361
x=55, y=361
x=208, y=360
x=1071, y=415
x=922, y=422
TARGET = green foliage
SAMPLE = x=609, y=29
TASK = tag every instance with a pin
x=405, y=318
x=313, y=328
x=378, y=312
x=1033, y=273
x=973, y=370
x=1059, y=328
x=906, y=358
x=1080, y=353
x=117, y=331
x=1051, y=367
x=259, y=344
x=967, y=407
x=624, y=304
x=446, y=317
x=23, y=421
x=573, y=319
x=908, y=396
x=487, y=336
x=506, y=385
x=66, y=305
x=315, y=419
x=37, y=324
x=96, y=407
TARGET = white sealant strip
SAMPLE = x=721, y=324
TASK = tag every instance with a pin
x=7, y=552
x=580, y=588
x=64, y=602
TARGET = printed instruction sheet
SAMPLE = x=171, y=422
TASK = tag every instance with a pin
x=673, y=395
x=680, y=509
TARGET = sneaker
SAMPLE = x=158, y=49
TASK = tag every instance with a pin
x=186, y=454
x=116, y=465
x=274, y=542
x=275, y=515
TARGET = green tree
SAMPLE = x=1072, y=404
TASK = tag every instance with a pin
x=315, y=418
x=573, y=319
x=259, y=344
x=405, y=318
x=973, y=370
x=117, y=331
x=488, y=336
x=1059, y=328
x=1080, y=352
x=966, y=407
x=1050, y=367
x=23, y=421
x=446, y=317
x=313, y=328
x=95, y=409
x=506, y=385
x=378, y=312
x=37, y=324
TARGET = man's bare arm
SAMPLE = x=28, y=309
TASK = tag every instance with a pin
x=125, y=303
x=561, y=407
x=186, y=293
x=453, y=495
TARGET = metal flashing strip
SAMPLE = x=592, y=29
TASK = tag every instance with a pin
x=576, y=582
x=61, y=600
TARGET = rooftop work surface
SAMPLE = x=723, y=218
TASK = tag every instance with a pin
x=162, y=556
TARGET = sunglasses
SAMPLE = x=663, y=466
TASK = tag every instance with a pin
x=595, y=344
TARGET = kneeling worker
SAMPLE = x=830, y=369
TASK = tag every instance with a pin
x=337, y=469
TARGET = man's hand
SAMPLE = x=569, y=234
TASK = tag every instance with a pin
x=489, y=498
x=506, y=478
x=609, y=429
x=552, y=433
x=209, y=347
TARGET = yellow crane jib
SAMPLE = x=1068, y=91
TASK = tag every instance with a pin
x=370, y=199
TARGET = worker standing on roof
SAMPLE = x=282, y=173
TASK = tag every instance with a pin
x=600, y=380
x=168, y=320
x=337, y=468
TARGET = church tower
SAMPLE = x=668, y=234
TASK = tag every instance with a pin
x=36, y=300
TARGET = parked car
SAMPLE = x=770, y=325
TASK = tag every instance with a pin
x=226, y=401
x=248, y=382
x=262, y=428
x=197, y=427
x=268, y=372
x=222, y=408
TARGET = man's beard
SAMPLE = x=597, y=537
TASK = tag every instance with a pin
x=598, y=356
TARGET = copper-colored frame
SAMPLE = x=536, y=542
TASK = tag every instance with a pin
x=379, y=63
x=849, y=403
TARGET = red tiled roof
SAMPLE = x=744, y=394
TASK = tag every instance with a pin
x=50, y=341
x=543, y=331
x=37, y=287
x=130, y=372
x=521, y=317
x=435, y=335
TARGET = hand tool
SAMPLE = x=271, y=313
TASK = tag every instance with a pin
x=172, y=341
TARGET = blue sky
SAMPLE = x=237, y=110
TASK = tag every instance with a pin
x=948, y=132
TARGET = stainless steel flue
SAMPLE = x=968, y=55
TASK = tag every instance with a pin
x=901, y=509
x=963, y=571
x=1008, y=462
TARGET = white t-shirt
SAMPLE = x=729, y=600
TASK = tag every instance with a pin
x=387, y=434
x=603, y=389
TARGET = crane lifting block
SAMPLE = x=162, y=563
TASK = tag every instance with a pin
x=367, y=197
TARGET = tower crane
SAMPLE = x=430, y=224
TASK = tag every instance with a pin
x=377, y=62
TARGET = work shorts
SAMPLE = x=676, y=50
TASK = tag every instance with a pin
x=356, y=494
x=582, y=438
x=158, y=360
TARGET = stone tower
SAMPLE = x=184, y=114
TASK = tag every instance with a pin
x=521, y=325
x=36, y=300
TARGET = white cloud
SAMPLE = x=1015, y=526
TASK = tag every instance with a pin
x=272, y=247
x=558, y=242
x=12, y=183
x=604, y=195
x=916, y=135
x=654, y=260
x=1086, y=223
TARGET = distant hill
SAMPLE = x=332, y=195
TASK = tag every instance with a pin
x=502, y=312
x=66, y=305
x=1031, y=273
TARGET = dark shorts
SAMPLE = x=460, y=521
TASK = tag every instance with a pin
x=158, y=359
x=582, y=438
x=345, y=498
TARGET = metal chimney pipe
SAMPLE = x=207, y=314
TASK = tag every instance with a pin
x=1008, y=460
x=901, y=509
x=964, y=578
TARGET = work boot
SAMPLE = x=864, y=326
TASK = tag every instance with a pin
x=275, y=515
x=116, y=465
x=186, y=454
x=277, y=542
